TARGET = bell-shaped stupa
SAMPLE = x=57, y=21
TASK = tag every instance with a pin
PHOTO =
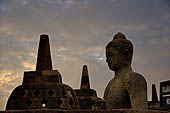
x=42, y=88
x=86, y=96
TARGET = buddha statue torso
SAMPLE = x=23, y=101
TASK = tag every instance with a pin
x=121, y=91
x=116, y=93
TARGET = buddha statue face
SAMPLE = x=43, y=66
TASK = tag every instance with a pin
x=113, y=58
x=119, y=52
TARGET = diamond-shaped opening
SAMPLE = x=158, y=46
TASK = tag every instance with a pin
x=59, y=101
x=15, y=103
x=44, y=102
x=89, y=103
x=71, y=101
x=63, y=93
x=28, y=102
x=72, y=93
x=51, y=92
x=36, y=92
x=23, y=93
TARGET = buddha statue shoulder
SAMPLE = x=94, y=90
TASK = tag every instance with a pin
x=128, y=89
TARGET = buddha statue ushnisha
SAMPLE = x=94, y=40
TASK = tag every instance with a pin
x=128, y=89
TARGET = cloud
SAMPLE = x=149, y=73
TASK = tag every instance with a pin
x=29, y=65
x=8, y=81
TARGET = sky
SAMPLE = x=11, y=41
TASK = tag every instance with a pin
x=79, y=30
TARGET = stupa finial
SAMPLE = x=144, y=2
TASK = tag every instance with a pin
x=85, y=84
x=44, y=55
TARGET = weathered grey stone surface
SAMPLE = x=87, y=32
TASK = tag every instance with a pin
x=127, y=89
x=83, y=111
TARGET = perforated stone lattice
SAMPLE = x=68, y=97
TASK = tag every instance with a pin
x=36, y=92
x=28, y=102
x=51, y=92
x=15, y=103
x=59, y=101
x=71, y=101
x=23, y=93
x=64, y=93
x=44, y=102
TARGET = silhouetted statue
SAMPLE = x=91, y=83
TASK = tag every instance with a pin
x=127, y=89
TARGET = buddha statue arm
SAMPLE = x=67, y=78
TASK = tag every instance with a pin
x=137, y=89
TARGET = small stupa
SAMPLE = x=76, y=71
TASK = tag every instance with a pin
x=88, y=97
x=154, y=93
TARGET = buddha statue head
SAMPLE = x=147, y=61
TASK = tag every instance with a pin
x=119, y=52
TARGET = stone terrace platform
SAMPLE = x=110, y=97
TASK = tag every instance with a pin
x=82, y=111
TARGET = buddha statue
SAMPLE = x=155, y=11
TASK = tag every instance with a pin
x=128, y=89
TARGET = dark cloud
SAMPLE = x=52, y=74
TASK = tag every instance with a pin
x=79, y=31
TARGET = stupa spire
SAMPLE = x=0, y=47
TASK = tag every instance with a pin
x=85, y=84
x=154, y=94
x=44, y=55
